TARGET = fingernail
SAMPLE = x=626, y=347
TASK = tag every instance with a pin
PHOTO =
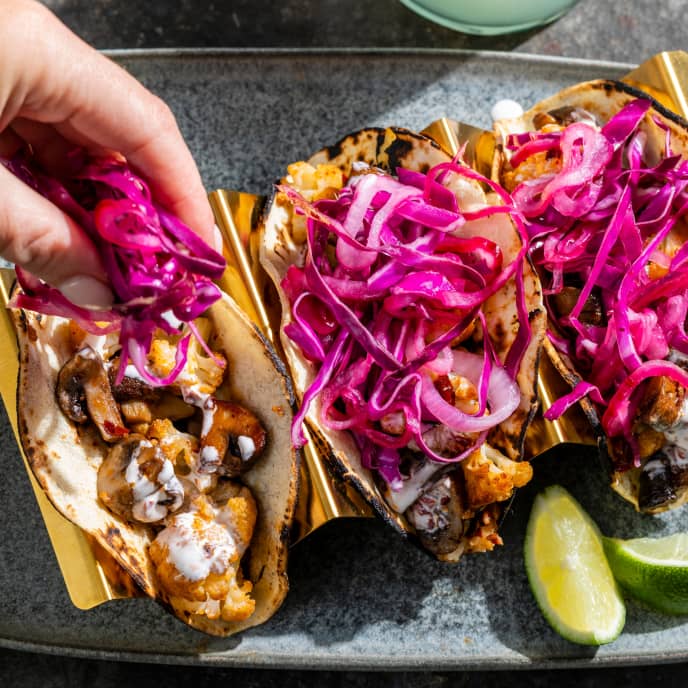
x=87, y=291
x=218, y=239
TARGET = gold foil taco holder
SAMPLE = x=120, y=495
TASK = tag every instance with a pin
x=91, y=577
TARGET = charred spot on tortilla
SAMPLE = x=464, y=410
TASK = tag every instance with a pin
x=366, y=159
x=396, y=152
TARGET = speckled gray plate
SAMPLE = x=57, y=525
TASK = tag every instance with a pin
x=359, y=597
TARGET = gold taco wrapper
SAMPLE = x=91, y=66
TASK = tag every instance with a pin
x=90, y=576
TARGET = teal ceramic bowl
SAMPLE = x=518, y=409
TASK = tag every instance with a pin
x=490, y=17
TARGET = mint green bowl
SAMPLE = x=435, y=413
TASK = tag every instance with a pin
x=490, y=17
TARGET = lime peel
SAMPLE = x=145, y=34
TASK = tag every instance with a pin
x=568, y=571
x=653, y=570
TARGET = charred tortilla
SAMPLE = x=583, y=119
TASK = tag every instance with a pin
x=66, y=457
x=284, y=246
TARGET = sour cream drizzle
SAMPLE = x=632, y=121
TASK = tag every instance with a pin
x=153, y=500
x=247, y=447
x=197, y=548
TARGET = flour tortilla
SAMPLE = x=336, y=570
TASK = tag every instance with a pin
x=65, y=458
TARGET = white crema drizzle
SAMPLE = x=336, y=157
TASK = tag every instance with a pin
x=196, y=553
x=147, y=494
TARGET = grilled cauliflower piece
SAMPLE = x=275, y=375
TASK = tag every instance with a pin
x=200, y=372
x=178, y=447
x=313, y=183
x=197, y=557
x=491, y=477
x=242, y=521
x=485, y=537
x=534, y=167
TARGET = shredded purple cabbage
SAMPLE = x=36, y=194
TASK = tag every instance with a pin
x=389, y=284
x=157, y=267
x=601, y=223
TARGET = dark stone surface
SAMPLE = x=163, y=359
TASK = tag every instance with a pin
x=624, y=31
x=42, y=671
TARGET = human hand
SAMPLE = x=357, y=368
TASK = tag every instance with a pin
x=56, y=92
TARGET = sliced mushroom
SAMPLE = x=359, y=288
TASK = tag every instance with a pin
x=232, y=438
x=662, y=403
x=422, y=474
x=171, y=407
x=131, y=388
x=437, y=516
x=662, y=478
x=83, y=391
x=447, y=442
x=563, y=116
x=137, y=482
x=136, y=411
x=565, y=300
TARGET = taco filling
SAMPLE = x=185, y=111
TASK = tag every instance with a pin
x=394, y=290
x=600, y=176
x=173, y=463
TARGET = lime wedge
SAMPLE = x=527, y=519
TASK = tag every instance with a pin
x=568, y=571
x=654, y=570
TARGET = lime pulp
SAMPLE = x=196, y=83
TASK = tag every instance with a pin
x=569, y=573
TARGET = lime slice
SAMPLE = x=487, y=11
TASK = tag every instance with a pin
x=568, y=571
x=654, y=570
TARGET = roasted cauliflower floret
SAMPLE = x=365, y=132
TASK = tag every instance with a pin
x=491, y=477
x=313, y=183
x=242, y=521
x=534, y=167
x=200, y=372
x=485, y=537
x=179, y=447
x=197, y=557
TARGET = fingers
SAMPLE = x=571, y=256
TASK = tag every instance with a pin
x=91, y=100
x=146, y=133
x=170, y=172
x=52, y=150
x=10, y=143
x=49, y=147
x=50, y=245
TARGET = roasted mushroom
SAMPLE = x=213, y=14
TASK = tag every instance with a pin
x=232, y=438
x=662, y=479
x=565, y=300
x=130, y=387
x=563, y=116
x=83, y=391
x=137, y=482
x=661, y=404
x=447, y=442
x=437, y=516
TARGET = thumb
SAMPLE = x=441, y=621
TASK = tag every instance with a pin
x=40, y=238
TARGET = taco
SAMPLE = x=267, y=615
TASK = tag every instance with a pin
x=599, y=171
x=159, y=426
x=412, y=326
